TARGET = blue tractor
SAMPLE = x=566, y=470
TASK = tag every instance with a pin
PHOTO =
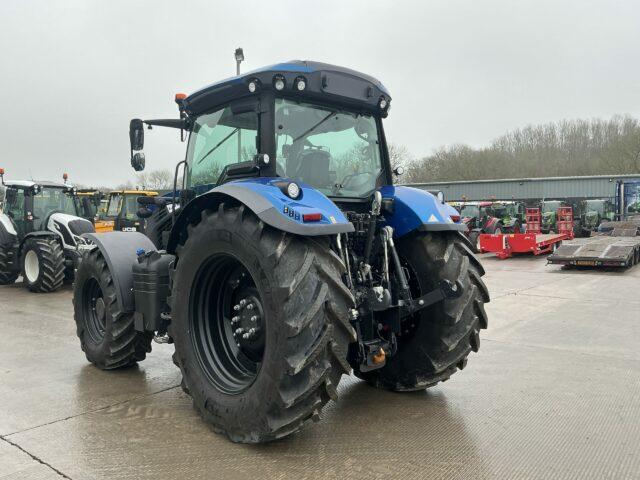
x=290, y=259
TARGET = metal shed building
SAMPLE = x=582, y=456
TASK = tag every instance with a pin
x=597, y=186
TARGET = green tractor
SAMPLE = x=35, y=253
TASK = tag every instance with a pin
x=510, y=215
x=290, y=260
x=593, y=212
x=549, y=212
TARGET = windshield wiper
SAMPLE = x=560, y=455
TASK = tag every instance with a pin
x=314, y=127
x=219, y=143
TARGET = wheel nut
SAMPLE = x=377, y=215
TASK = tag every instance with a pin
x=235, y=319
x=250, y=306
x=239, y=331
x=254, y=319
x=236, y=307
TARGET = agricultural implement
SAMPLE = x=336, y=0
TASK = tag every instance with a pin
x=533, y=240
x=617, y=244
x=292, y=259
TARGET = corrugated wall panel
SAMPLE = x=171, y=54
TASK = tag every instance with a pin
x=530, y=188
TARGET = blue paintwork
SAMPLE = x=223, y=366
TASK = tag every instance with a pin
x=413, y=208
x=309, y=201
x=452, y=212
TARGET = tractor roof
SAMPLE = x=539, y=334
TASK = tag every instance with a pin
x=31, y=183
x=324, y=82
x=148, y=193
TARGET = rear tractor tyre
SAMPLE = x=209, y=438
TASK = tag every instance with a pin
x=43, y=264
x=474, y=238
x=107, y=335
x=260, y=325
x=8, y=271
x=436, y=342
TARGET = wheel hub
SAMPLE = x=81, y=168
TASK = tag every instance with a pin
x=246, y=322
x=99, y=308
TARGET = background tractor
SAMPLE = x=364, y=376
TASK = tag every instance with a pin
x=40, y=233
x=592, y=213
x=292, y=259
x=90, y=202
x=549, y=211
x=121, y=212
x=509, y=215
x=477, y=218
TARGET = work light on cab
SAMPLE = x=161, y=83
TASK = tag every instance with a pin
x=278, y=82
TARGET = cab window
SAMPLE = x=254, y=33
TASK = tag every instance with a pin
x=219, y=139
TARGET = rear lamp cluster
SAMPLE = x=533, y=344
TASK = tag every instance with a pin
x=279, y=83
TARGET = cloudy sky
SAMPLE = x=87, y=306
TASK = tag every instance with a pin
x=73, y=72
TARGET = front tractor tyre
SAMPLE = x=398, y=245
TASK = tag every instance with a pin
x=260, y=324
x=43, y=264
x=436, y=341
x=8, y=271
x=107, y=334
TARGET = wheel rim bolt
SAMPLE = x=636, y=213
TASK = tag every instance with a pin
x=239, y=331
x=235, y=320
x=254, y=319
x=250, y=306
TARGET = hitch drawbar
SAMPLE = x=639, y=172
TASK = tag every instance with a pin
x=446, y=289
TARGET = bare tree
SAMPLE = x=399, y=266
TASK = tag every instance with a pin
x=568, y=147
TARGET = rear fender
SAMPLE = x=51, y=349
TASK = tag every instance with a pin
x=8, y=234
x=119, y=250
x=415, y=209
x=265, y=198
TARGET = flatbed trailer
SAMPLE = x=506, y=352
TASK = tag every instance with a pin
x=618, y=247
x=504, y=245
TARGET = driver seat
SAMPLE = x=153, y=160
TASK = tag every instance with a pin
x=314, y=168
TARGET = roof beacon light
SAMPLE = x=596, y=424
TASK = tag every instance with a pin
x=180, y=96
x=65, y=176
x=278, y=82
x=300, y=83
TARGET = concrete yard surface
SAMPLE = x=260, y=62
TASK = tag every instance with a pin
x=553, y=393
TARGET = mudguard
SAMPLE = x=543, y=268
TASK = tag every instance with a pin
x=266, y=198
x=119, y=250
x=415, y=209
x=8, y=234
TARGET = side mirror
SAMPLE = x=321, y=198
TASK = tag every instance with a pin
x=136, y=134
x=137, y=161
x=144, y=212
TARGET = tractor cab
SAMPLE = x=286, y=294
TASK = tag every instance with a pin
x=121, y=211
x=30, y=204
x=90, y=202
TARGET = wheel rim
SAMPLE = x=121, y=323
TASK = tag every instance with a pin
x=95, y=311
x=31, y=266
x=227, y=323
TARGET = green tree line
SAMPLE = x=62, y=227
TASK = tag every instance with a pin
x=564, y=148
